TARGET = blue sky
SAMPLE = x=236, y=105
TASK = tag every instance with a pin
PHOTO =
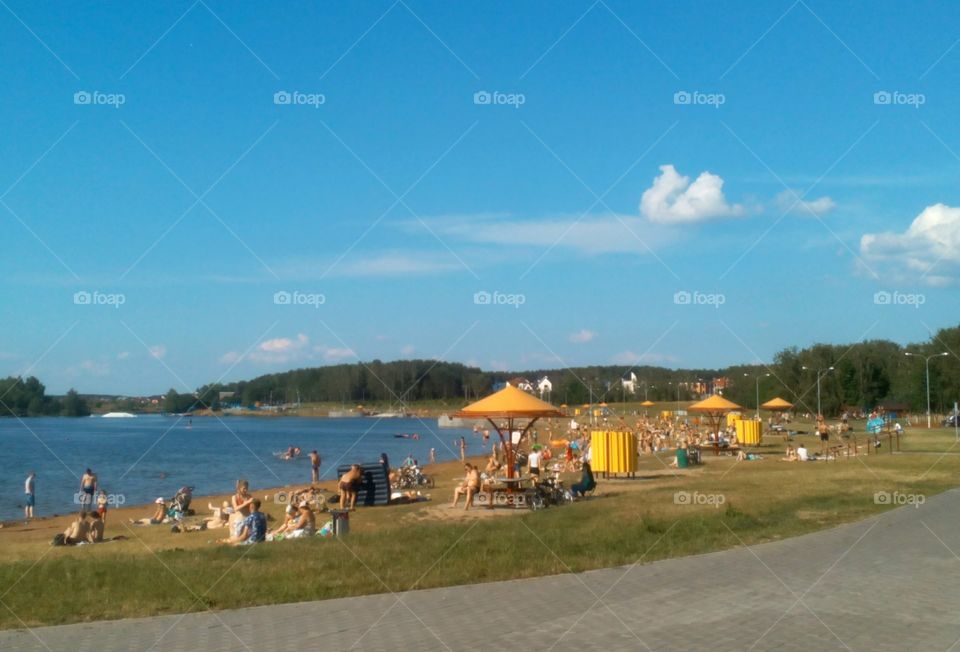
x=686, y=184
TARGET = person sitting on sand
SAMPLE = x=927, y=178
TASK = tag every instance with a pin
x=95, y=532
x=289, y=518
x=77, y=531
x=159, y=514
x=469, y=487
x=305, y=524
x=253, y=528
x=220, y=517
x=802, y=454
x=791, y=454
x=348, y=487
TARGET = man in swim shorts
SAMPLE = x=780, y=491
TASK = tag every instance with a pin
x=88, y=487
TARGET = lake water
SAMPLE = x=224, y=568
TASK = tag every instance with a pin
x=150, y=456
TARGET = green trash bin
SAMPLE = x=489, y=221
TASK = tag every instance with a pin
x=682, y=460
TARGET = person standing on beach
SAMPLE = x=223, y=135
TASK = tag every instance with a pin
x=463, y=449
x=30, y=487
x=433, y=455
x=314, y=467
x=88, y=487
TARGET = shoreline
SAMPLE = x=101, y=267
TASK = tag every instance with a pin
x=58, y=522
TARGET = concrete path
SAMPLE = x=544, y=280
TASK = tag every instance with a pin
x=888, y=583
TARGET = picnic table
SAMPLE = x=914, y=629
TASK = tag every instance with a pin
x=504, y=492
x=718, y=447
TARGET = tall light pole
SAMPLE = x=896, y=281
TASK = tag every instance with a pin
x=820, y=373
x=757, y=377
x=926, y=361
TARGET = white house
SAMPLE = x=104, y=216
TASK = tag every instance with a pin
x=544, y=387
x=522, y=384
x=629, y=382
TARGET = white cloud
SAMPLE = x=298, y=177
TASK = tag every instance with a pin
x=95, y=368
x=790, y=200
x=123, y=355
x=673, y=199
x=629, y=357
x=377, y=264
x=407, y=350
x=229, y=357
x=158, y=351
x=586, y=234
x=582, y=336
x=932, y=239
x=335, y=353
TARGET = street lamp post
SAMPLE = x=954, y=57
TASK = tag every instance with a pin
x=757, y=378
x=926, y=361
x=820, y=373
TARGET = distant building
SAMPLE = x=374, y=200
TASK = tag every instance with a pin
x=521, y=383
x=544, y=387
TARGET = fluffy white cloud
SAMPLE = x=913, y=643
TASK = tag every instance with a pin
x=407, y=350
x=582, y=336
x=673, y=199
x=158, y=351
x=123, y=355
x=789, y=200
x=932, y=241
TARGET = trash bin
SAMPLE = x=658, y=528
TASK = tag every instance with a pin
x=682, y=459
x=341, y=522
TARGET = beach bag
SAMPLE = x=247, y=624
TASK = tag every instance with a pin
x=59, y=540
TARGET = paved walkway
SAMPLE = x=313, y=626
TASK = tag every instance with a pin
x=887, y=583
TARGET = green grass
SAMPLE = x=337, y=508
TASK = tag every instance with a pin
x=405, y=547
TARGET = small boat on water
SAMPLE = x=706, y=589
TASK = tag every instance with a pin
x=119, y=415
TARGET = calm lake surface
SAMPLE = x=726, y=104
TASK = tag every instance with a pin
x=152, y=456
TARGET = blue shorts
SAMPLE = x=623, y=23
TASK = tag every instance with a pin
x=31, y=500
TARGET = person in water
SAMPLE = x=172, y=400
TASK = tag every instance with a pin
x=314, y=467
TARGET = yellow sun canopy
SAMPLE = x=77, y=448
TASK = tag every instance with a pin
x=715, y=403
x=509, y=403
x=777, y=404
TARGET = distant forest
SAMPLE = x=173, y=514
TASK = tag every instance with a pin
x=864, y=375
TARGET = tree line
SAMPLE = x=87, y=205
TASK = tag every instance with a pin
x=27, y=397
x=863, y=375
